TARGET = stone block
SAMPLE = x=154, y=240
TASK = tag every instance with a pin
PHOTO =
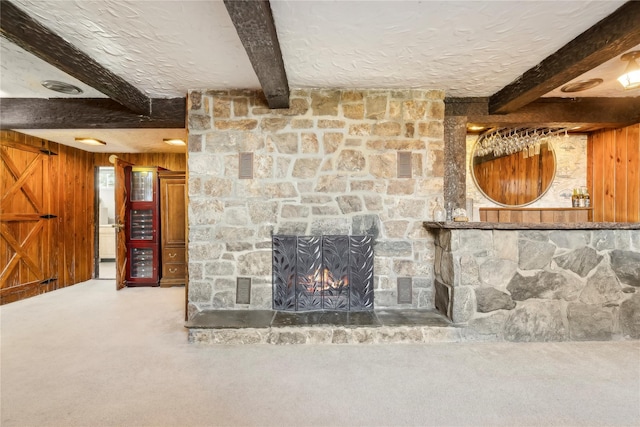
x=414, y=110
x=224, y=299
x=309, y=143
x=469, y=271
x=331, y=141
x=240, y=107
x=536, y=321
x=351, y=95
x=305, y=168
x=589, y=322
x=477, y=242
x=273, y=124
x=629, y=316
x=366, y=225
x=487, y=327
x=243, y=124
x=286, y=337
x=204, y=251
x=373, y=203
x=395, y=229
x=301, y=124
x=325, y=211
x=195, y=100
x=431, y=129
x=294, y=211
x=199, y=122
x=383, y=165
x=602, y=287
x=351, y=161
x=291, y=228
x=572, y=239
x=442, y=298
x=505, y=244
x=491, y=299
x=285, y=143
x=330, y=124
x=387, y=129
x=226, y=233
x=261, y=211
x=393, y=248
x=200, y=291
x=360, y=129
x=396, y=144
x=331, y=184
x=375, y=107
x=463, y=304
x=535, y=235
x=349, y=204
x=626, y=266
x=534, y=254
x=325, y=102
x=497, y=272
x=543, y=284
x=255, y=264
x=322, y=226
x=353, y=111
x=581, y=261
x=219, y=268
x=411, y=208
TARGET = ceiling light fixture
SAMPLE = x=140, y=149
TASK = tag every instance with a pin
x=174, y=141
x=631, y=77
x=581, y=85
x=90, y=141
x=61, y=87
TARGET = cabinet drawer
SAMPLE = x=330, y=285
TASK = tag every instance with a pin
x=173, y=271
x=173, y=255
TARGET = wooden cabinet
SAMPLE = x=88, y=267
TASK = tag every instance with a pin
x=173, y=232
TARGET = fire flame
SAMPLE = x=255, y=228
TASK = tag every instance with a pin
x=324, y=280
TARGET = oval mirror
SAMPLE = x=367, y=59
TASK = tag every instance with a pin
x=514, y=168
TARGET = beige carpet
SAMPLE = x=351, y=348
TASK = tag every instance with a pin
x=90, y=356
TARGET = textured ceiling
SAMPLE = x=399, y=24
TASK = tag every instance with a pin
x=166, y=48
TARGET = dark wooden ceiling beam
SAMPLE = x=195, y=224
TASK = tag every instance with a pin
x=88, y=113
x=610, y=37
x=21, y=29
x=254, y=23
x=592, y=112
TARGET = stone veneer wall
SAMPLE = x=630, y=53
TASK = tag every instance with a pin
x=327, y=165
x=571, y=172
x=540, y=285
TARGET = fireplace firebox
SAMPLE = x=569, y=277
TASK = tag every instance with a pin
x=322, y=273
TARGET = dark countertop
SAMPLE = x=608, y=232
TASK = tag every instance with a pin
x=452, y=225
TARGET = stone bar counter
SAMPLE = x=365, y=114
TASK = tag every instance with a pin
x=539, y=281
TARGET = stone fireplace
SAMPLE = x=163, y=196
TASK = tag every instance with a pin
x=322, y=273
x=337, y=162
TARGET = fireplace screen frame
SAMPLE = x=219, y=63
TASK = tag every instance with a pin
x=322, y=273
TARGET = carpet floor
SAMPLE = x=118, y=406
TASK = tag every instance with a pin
x=90, y=356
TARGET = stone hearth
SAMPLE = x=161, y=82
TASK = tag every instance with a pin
x=321, y=327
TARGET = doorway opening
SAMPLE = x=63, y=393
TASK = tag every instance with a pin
x=105, y=248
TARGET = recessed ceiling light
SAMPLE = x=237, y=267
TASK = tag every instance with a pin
x=581, y=85
x=61, y=87
x=174, y=141
x=476, y=128
x=631, y=77
x=90, y=141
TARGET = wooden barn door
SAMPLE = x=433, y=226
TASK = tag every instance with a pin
x=121, y=196
x=27, y=224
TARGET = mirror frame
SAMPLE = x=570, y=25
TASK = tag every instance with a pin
x=541, y=195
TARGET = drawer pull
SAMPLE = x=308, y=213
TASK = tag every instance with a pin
x=173, y=255
x=173, y=270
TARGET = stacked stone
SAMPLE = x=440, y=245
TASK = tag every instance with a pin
x=326, y=165
x=540, y=285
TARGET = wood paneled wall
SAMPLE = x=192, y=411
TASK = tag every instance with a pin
x=172, y=161
x=613, y=174
x=514, y=180
x=68, y=193
x=69, y=188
